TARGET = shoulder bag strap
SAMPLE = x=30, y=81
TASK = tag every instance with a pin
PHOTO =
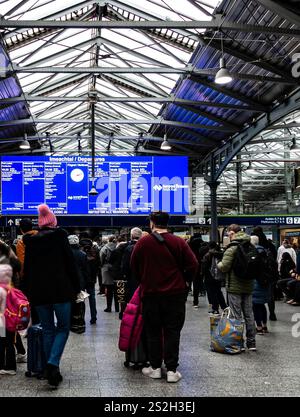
x=161, y=239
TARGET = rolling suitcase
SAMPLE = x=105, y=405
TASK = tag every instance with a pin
x=36, y=359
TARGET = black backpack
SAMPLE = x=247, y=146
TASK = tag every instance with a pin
x=246, y=264
x=268, y=272
x=215, y=271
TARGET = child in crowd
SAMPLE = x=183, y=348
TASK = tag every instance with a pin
x=8, y=365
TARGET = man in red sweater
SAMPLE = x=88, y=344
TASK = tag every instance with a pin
x=163, y=263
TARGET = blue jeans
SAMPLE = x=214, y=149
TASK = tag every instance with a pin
x=55, y=337
x=90, y=289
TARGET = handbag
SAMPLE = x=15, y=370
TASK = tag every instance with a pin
x=228, y=335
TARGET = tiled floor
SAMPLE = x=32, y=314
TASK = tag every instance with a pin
x=92, y=365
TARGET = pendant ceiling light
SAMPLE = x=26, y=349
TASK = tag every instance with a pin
x=25, y=145
x=93, y=190
x=223, y=76
x=165, y=146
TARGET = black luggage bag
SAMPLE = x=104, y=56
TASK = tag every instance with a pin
x=36, y=359
x=77, y=317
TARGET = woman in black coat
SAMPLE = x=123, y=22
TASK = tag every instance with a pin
x=52, y=283
x=287, y=273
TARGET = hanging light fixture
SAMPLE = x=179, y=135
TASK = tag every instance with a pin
x=93, y=190
x=223, y=76
x=25, y=145
x=165, y=146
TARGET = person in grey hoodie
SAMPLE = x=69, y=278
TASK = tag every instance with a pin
x=107, y=275
x=239, y=291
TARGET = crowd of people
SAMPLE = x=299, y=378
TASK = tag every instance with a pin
x=55, y=271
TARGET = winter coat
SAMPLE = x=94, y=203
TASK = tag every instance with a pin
x=20, y=249
x=233, y=283
x=206, y=263
x=116, y=259
x=288, y=249
x=285, y=268
x=82, y=264
x=50, y=274
x=131, y=324
x=93, y=259
x=261, y=295
x=128, y=275
x=107, y=276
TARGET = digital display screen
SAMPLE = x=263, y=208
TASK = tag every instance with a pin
x=125, y=185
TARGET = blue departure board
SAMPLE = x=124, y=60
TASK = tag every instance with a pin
x=125, y=185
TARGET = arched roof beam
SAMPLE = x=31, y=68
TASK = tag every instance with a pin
x=79, y=8
x=142, y=99
x=224, y=155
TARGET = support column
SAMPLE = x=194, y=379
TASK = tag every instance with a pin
x=288, y=175
x=93, y=138
x=239, y=185
x=213, y=185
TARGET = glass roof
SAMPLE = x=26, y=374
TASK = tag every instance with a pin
x=60, y=60
x=113, y=48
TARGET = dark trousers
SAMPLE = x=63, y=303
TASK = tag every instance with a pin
x=202, y=287
x=111, y=293
x=294, y=289
x=215, y=295
x=90, y=289
x=164, y=318
x=260, y=314
x=196, y=289
x=7, y=352
x=55, y=336
x=271, y=303
x=19, y=345
x=101, y=286
x=283, y=284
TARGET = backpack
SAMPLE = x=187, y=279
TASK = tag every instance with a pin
x=108, y=253
x=246, y=264
x=115, y=257
x=17, y=311
x=215, y=272
x=268, y=272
